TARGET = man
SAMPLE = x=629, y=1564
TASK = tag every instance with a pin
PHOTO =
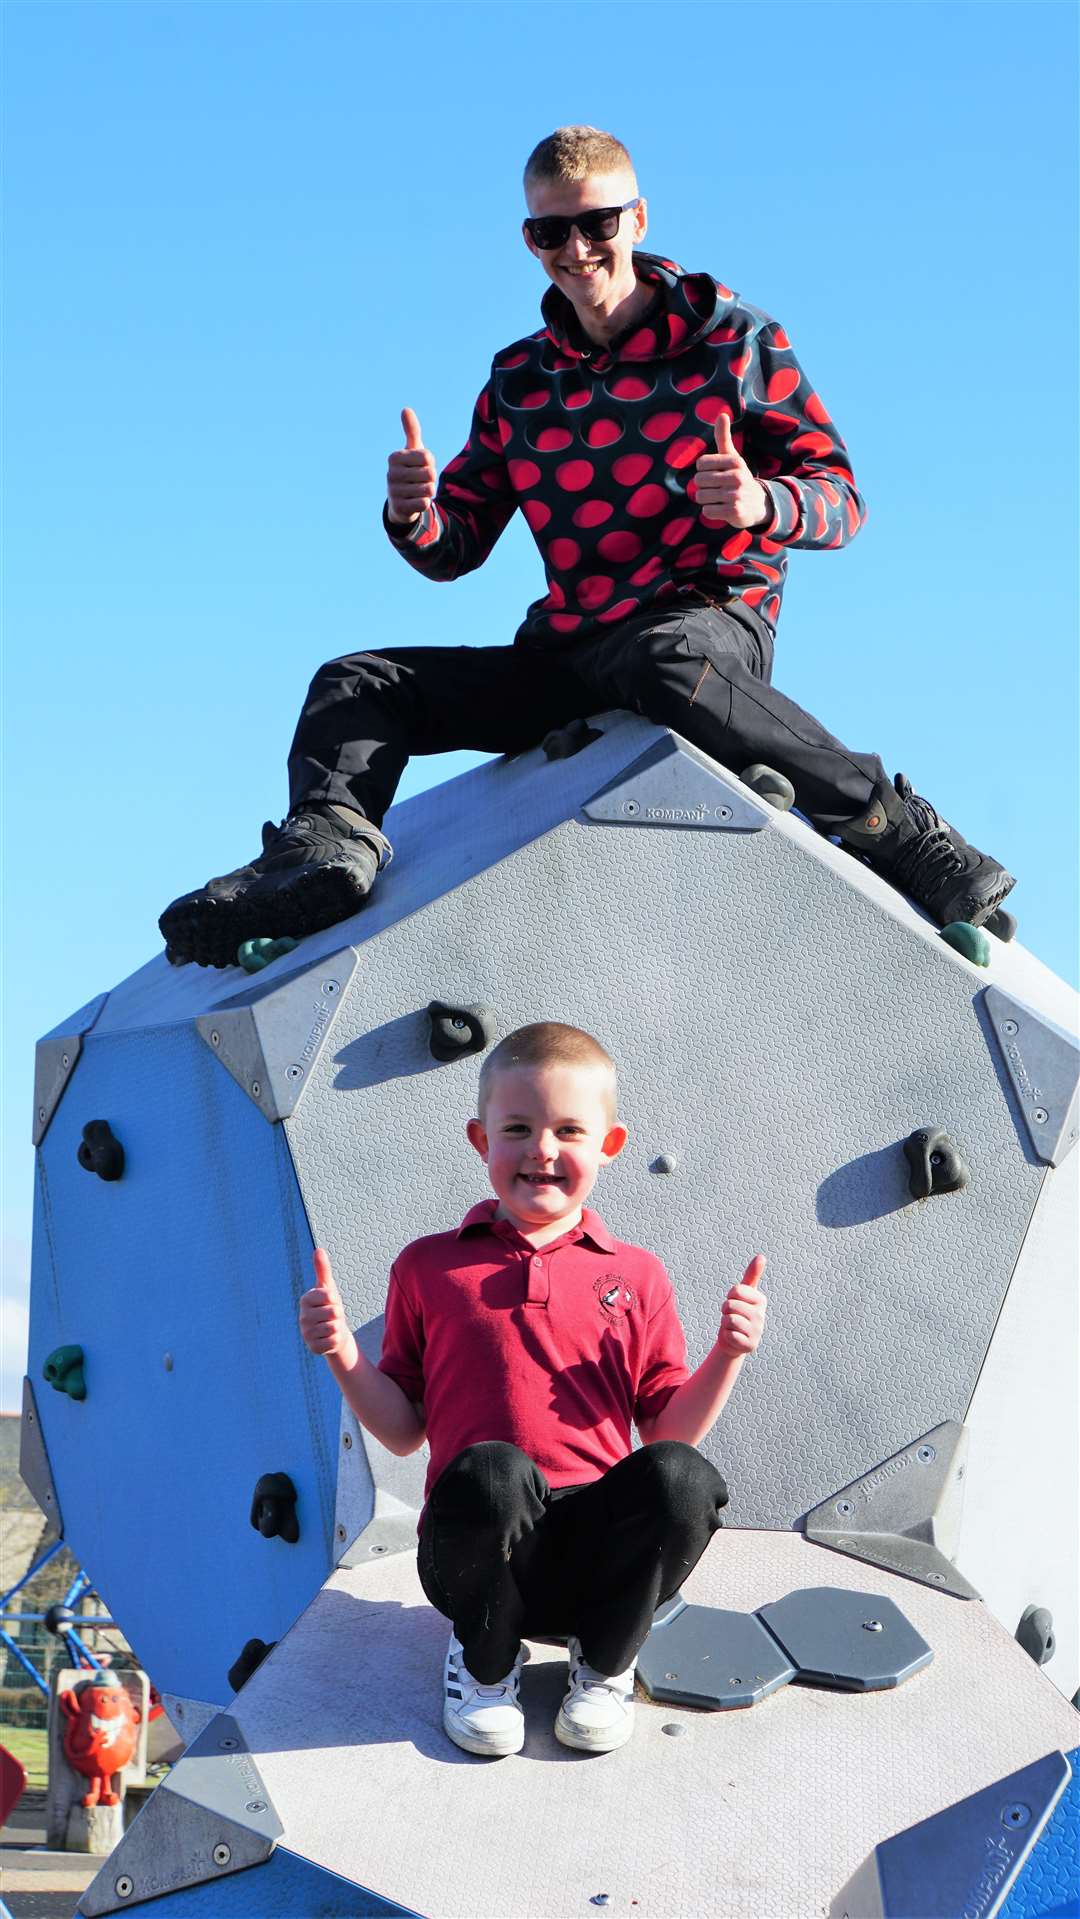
x=666, y=449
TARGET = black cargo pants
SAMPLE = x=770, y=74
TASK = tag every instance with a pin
x=503, y=1556
x=700, y=668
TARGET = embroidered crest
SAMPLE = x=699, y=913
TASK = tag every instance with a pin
x=616, y=1298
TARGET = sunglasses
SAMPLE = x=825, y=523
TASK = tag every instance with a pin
x=548, y=231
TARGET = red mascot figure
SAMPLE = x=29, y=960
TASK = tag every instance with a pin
x=100, y=1737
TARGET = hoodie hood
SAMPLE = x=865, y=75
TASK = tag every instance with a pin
x=684, y=309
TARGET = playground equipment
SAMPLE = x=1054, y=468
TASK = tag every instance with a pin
x=809, y=1069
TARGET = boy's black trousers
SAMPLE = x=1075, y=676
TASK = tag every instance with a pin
x=503, y=1556
x=701, y=668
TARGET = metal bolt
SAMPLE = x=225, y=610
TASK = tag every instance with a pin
x=65, y=1059
x=844, y=1507
x=1009, y=1026
x=215, y=1039
x=664, y=1163
x=735, y=1680
x=723, y=812
x=673, y=1729
x=376, y=1549
x=228, y=1745
x=1040, y=1116
x=124, y=1886
x=1016, y=1814
x=340, y=1531
x=256, y=1805
x=845, y=1545
x=926, y=1454
x=41, y=1114
x=600, y=1899
x=959, y=1472
x=346, y=1440
x=293, y=1072
x=872, y=1625
x=221, y=1854
x=256, y=1089
x=630, y=807
x=938, y=1578
x=459, y=1025
x=671, y=1675
x=330, y=986
x=167, y=1361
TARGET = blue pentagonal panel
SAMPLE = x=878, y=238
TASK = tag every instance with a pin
x=284, y=1887
x=1049, y=1883
x=179, y=1281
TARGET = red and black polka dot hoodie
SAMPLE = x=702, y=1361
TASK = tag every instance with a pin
x=597, y=446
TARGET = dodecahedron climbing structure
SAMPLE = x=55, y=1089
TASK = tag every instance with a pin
x=807, y=1069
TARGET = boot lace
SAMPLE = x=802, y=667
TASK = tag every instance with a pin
x=931, y=857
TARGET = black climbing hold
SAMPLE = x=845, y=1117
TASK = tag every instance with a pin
x=934, y=1164
x=100, y=1151
x=769, y=785
x=459, y=1030
x=251, y=1658
x=273, y=1508
x=1003, y=925
x=1036, y=1634
x=564, y=741
x=64, y=1370
x=59, y=1618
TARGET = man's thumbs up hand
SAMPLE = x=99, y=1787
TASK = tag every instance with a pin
x=726, y=490
x=411, y=475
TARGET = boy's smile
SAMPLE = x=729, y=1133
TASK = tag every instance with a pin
x=544, y=1136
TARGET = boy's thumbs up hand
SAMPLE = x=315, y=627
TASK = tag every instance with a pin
x=323, y=1326
x=411, y=474
x=726, y=490
x=742, y=1316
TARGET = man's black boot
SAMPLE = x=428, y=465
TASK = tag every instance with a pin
x=314, y=869
x=905, y=840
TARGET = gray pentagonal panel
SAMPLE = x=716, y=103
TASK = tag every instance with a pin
x=706, y=1656
x=860, y=1642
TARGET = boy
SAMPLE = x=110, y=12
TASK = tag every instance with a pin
x=521, y=1346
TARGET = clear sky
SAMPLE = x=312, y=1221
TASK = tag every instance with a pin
x=239, y=237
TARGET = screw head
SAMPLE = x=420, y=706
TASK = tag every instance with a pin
x=293, y=1072
x=227, y=1744
x=330, y=987
x=340, y=1531
x=872, y=1625
x=1010, y=1027
x=630, y=807
x=723, y=812
x=124, y=1886
x=1040, y=1116
x=256, y=1089
x=926, y=1454
x=221, y=1854
x=41, y=1114
x=215, y=1039
x=256, y=1805
x=664, y=1163
x=65, y=1059
x=600, y=1899
x=671, y=1675
x=1016, y=1815
x=845, y=1507
x=167, y=1361
x=346, y=1440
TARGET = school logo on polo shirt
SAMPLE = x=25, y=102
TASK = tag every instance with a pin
x=616, y=1298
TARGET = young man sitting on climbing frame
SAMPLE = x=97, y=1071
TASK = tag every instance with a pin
x=521, y=1346
x=668, y=452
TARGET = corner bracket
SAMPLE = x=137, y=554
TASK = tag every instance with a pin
x=905, y=1514
x=672, y=784
x=270, y=1036
x=55, y=1059
x=211, y=1816
x=34, y=1469
x=1043, y=1065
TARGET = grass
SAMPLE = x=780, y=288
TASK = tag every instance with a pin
x=30, y=1746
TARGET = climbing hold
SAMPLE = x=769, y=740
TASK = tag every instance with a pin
x=935, y=1166
x=1036, y=1634
x=459, y=1030
x=100, y=1151
x=564, y=741
x=273, y=1508
x=253, y=955
x=251, y=1658
x=969, y=940
x=1002, y=924
x=770, y=786
x=64, y=1370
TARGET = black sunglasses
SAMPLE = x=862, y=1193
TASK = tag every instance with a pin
x=553, y=230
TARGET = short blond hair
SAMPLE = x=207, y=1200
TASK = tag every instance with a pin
x=573, y=153
x=548, y=1043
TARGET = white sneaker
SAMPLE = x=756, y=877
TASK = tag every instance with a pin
x=598, y=1712
x=479, y=1718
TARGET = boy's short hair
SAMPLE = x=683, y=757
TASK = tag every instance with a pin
x=572, y=153
x=548, y=1043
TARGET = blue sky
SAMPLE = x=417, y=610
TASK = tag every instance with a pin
x=240, y=237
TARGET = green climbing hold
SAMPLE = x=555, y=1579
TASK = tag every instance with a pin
x=969, y=940
x=255, y=954
x=64, y=1370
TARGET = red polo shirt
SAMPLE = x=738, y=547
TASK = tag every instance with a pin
x=553, y=1348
